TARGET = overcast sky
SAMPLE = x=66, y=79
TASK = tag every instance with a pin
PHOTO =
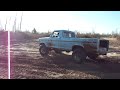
x=82, y=21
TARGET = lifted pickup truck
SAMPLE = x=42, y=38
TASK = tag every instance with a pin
x=64, y=40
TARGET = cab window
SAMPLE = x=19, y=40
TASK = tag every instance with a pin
x=55, y=34
x=68, y=35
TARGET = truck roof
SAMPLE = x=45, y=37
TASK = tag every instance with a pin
x=64, y=30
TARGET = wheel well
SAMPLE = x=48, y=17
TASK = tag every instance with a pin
x=76, y=46
x=41, y=44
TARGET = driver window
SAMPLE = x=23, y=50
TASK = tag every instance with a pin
x=55, y=34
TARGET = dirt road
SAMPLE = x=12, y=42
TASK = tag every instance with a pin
x=26, y=63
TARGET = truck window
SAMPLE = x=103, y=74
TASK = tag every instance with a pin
x=68, y=35
x=55, y=34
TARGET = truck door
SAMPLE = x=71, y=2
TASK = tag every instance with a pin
x=66, y=41
x=54, y=40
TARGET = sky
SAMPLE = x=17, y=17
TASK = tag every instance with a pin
x=44, y=21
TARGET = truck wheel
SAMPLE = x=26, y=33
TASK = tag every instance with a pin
x=43, y=50
x=92, y=56
x=79, y=55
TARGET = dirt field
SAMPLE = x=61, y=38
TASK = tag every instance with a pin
x=26, y=63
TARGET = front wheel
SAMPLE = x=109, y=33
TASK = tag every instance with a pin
x=43, y=50
x=79, y=55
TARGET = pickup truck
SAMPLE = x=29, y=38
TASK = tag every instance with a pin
x=64, y=40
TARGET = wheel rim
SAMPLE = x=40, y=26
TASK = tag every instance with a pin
x=77, y=57
x=43, y=50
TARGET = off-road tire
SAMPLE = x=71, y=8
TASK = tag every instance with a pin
x=79, y=55
x=43, y=50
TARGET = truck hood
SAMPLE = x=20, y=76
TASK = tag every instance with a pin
x=44, y=38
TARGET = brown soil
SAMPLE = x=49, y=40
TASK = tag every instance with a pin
x=27, y=63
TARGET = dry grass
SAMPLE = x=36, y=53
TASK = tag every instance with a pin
x=19, y=35
x=28, y=35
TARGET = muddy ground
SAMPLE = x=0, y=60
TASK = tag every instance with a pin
x=27, y=63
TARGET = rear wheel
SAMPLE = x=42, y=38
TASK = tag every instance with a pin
x=43, y=50
x=79, y=55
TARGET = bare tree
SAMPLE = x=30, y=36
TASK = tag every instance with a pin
x=14, y=25
x=6, y=24
x=18, y=27
x=1, y=25
x=21, y=21
x=34, y=31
